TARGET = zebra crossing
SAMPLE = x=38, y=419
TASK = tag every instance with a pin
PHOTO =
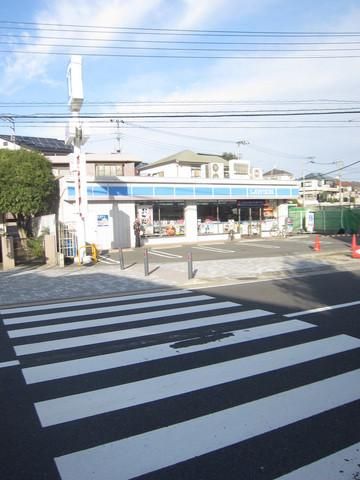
x=180, y=384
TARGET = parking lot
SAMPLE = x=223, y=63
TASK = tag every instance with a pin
x=220, y=250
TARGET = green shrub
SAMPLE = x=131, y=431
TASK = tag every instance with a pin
x=36, y=247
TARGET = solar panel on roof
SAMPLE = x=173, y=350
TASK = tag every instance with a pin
x=41, y=144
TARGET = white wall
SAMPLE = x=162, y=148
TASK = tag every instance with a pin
x=109, y=225
x=45, y=222
x=171, y=170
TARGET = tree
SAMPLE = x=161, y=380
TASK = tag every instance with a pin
x=27, y=185
x=228, y=156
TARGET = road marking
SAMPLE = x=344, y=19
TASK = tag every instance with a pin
x=322, y=309
x=99, y=363
x=95, y=301
x=151, y=451
x=111, y=309
x=213, y=249
x=115, y=320
x=143, y=331
x=341, y=465
x=251, y=244
x=11, y=363
x=108, y=260
x=164, y=254
x=96, y=402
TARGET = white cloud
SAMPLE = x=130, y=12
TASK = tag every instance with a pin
x=20, y=69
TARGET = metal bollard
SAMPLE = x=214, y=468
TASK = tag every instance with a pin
x=146, y=262
x=121, y=259
x=190, y=266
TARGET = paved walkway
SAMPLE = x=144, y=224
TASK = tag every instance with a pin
x=41, y=284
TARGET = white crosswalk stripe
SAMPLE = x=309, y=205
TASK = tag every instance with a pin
x=97, y=363
x=179, y=345
x=339, y=466
x=84, y=303
x=82, y=405
x=101, y=310
x=160, y=448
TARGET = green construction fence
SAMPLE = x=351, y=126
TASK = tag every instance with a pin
x=328, y=220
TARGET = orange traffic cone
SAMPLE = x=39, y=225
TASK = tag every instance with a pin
x=353, y=243
x=355, y=249
x=317, y=244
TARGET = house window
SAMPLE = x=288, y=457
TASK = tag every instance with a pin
x=109, y=170
x=241, y=169
x=196, y=172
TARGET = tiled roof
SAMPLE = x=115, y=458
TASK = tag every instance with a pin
x=277, y=172
x=187, y=156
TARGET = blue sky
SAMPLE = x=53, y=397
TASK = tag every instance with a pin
x=249, y=84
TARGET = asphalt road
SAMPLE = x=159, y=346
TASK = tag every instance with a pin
x=236, y=382
x=244, y=248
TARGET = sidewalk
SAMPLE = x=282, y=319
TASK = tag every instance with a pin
x=42, y=284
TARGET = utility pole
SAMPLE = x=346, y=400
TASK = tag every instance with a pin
x=310, y=160
x=340, y=165
x=238, y=143
x=118, y=136
x=75, y=136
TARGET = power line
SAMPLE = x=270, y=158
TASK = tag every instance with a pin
x=207, y=114
x=172, y=31
x=342, y=168
x=199, y=57
x=181, y=42
x=178, y=49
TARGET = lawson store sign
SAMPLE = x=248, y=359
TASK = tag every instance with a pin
x=136, y=191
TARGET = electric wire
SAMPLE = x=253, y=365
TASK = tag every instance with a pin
x=168, y=31
x=181, y=42
x=178, y=49
x=199, y=57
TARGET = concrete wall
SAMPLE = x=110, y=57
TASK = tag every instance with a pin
x=109, y=225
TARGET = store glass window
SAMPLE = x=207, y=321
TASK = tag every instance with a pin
x=161, y=219
x=217, y=217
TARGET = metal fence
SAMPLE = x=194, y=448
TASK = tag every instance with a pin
x=328, y=219
x=67, y=240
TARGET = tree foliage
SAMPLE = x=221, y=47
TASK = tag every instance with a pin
x=27, y=185
x=228, y=156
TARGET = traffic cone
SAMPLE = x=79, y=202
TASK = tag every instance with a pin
x=353, y=243
x=317, y=244
x=355, y=249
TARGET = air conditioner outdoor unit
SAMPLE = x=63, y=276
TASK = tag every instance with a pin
x=204, y=170
x=239, y=169
x=257, y=173
x=215, y=170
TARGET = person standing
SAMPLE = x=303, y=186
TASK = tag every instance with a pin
x=137, y=232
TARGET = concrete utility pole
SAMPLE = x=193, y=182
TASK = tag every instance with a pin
x=238, y=143
x=75, y=136
x=340, y=166
x=309, y=160
x=118, y=135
